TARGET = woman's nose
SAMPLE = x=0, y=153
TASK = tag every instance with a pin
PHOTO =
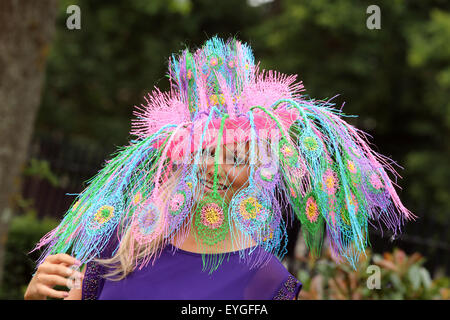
x=210, y=170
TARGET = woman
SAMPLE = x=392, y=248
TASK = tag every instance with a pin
x=233, y=168
x=198, y=193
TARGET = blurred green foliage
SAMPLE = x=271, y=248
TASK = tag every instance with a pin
x=41, y=170
x=400, y=277
x=24, y=232
x=97, y=74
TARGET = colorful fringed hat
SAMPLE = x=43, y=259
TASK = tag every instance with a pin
x=300, y=159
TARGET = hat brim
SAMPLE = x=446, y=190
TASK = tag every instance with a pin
x=236, y=130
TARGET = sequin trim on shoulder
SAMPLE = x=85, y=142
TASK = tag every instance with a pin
x=91, y=281
x=288, y=289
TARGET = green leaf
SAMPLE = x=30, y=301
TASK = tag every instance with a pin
x=415, y=277
x=397, y=283
x=426, y=279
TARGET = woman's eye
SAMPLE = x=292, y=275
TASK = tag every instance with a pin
x=238, y=160
x=208, y=153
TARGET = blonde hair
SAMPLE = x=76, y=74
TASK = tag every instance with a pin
x=122, y=263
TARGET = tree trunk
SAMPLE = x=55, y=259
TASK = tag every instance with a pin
x=26, y=28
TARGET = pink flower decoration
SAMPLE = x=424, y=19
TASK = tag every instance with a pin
x=311, y=209
x=375, y=181
x=351, y=166
x=137, y=198
x=266, y=173
x=294, y=195
x=213, y=61
x=176, y=202
x=213, y=99
x=330, y=182
x=148, y=220
x=287, y=151
x=212, y=215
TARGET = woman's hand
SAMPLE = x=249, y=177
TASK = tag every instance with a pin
x=55, y=270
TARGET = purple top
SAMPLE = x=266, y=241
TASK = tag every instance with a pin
x=178, y=275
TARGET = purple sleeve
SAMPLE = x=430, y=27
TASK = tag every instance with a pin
x=289, y=289
x=93, y=280
x=275, y=281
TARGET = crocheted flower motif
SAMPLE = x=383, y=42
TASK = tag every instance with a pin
x=353, y=203
x=147, y=220
x=266, y=174
x=355, y=172
x=251, y=211
x=288, y=154
x=231, y=64
x=189, y=74
x=311, y=209
x=293, y=193
x=144, y=223
x=351, y=166
x=215, y=61
x=177, y=203
x=104, y=214
x=269, y=235
x=137, y=198
x=211, y=220
x=310, y=144
x=212, y=215
x=375, y=182
x=215, y=99
x=100, y=219
x=287, y=151
x=330, y=182
x=250, y=208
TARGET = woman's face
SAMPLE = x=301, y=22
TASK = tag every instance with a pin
x=232, y=170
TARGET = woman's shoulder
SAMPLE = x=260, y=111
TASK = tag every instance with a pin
x=93, y=278
x=272, y=278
